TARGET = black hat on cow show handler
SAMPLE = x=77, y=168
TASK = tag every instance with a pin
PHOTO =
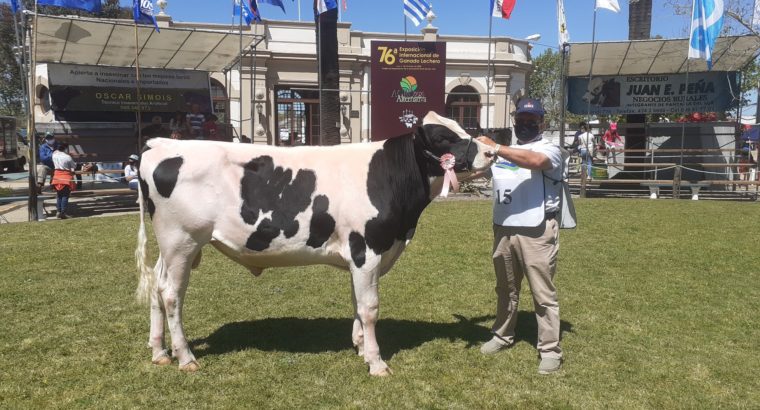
x=530, y=106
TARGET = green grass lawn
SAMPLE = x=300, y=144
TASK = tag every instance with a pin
x=659, y=305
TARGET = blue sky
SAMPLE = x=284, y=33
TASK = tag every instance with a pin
x=456, y=17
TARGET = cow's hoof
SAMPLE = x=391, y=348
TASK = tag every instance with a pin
x=190, y=367
x=359, y=350
x=382, y=372
x=162, y=360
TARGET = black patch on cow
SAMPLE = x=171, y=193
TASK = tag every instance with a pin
x=322, y=224
x=146, y=195
x=398, y=188
x=441, y=140
x=165, y=175
x=265, y=188
x=358, y=248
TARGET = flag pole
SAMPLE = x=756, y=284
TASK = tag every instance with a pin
x=405, y=30
x=254, y=112
x=488, y=74
x=591, y=68
x=319, y=77
x=563, y=64
x=240, y=71
x=138, y=112
x=31, y=131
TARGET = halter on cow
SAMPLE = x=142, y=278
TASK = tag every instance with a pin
x=353, y=206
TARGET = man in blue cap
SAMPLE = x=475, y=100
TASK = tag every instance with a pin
x=45, y=160
x=527, y=188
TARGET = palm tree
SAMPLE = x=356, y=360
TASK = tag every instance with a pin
x=329, y=77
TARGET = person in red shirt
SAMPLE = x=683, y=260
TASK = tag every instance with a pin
x=210, y=130
x=612, y=141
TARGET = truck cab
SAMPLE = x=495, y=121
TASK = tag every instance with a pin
x=13, y=150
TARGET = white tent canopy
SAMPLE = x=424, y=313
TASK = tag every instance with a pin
x=658, y=56
x=77, y=40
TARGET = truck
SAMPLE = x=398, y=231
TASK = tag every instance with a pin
x=14, y=151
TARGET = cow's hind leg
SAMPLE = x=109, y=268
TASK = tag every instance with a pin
x=365, y=280
x=178, y=256
x=357, y=333
x=157, y=315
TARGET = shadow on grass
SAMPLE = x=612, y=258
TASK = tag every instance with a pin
x=318, y=335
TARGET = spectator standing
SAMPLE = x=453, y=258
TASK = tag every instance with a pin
x=612, y=142
x=45, y=165
x=178, y=126
x=210, y=129
x=586, y=146
x=63, y=178
x=526, y=233
x=195, y=122
x=130, y=172
x=576, y=140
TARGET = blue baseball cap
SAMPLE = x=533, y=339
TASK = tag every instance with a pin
x=530, y=106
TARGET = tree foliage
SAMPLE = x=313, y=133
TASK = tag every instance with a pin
x=11, y=97
x=545, y=83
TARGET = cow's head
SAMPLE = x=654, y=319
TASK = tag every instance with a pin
x=439, y=136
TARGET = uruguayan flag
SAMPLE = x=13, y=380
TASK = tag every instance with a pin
x=416, y=10
x=706, y=23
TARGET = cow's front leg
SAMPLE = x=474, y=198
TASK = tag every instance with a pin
x=157, y=314
x=367, y=307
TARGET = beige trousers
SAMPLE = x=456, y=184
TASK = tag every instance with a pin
x=531, y=253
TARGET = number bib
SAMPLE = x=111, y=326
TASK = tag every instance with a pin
x=518, y=195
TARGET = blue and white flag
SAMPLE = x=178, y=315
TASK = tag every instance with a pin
x=324, y=5
x=416, y=10
x=706, y=23
x=93, y=6
x=277, y=3
x=143, y=12
x=248, y=15
x=14, y=6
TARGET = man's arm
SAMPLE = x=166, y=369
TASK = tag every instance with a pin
x=520, y=157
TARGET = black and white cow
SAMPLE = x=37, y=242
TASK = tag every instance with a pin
x=354, y=207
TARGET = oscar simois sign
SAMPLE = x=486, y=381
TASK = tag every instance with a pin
x=408, y=80
x=95, y=88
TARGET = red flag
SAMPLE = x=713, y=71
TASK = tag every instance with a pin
x=345, y=5
x=506, y=8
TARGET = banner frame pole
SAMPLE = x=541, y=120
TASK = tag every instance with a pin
x=31, y=131
x=138, y=111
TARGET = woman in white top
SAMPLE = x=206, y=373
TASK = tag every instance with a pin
x=130, y=171
x=63, y=178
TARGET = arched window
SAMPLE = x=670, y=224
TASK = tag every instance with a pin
x=463, y=106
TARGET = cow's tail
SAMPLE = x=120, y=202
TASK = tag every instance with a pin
x=147, y=278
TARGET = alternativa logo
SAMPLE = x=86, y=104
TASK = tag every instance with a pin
x=409, y=84
x=408, y=92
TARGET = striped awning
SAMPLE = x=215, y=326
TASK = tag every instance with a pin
x=74, y=40
x=658, y=56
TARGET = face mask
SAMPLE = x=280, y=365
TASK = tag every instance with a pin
x=526, y=131
x=50, y=142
